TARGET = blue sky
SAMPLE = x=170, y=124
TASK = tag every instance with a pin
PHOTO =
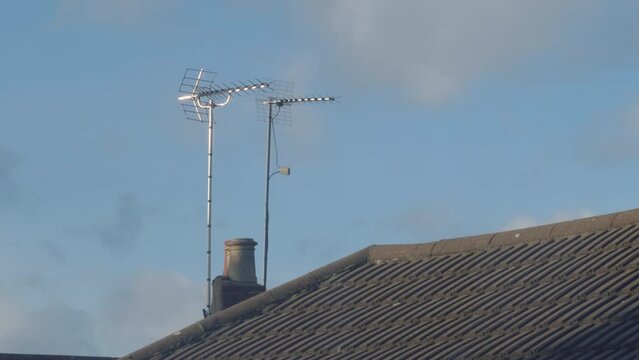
x=455, y=118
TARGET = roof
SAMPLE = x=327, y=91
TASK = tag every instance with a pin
x=561, y=291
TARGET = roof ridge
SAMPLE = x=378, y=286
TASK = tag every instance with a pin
x=504, y=238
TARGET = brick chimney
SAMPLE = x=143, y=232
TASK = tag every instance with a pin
x=238, y=282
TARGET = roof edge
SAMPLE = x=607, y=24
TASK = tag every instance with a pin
x=246, y=308
x=504, y=238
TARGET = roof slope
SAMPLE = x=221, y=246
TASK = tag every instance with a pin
x=561, y=291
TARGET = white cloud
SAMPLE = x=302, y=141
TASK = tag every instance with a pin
x=435, y=49
x=525, y=221
x=53, y=329
x=141, y=308
x=13, y=321
x=521, y=222
x=146, y=307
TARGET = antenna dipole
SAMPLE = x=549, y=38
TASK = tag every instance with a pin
x=279, y=102
x=197, y=84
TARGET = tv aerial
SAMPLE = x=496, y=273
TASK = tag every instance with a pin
x=199, y=95
x=282, y=103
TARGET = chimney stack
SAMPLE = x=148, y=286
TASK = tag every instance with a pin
x=238, y=282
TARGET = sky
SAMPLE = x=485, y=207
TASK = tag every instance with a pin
x=454, y=118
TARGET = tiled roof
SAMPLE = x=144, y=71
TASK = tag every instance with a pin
x=561, y=291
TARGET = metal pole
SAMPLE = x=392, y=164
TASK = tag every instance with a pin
x=268, y=176
x=208, y=210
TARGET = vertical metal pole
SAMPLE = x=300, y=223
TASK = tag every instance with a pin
x=208, y=210
x=268, y=176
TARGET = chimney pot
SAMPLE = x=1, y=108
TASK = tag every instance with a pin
x=239, y=260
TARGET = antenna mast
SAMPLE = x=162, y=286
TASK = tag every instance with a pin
x=199, y=96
